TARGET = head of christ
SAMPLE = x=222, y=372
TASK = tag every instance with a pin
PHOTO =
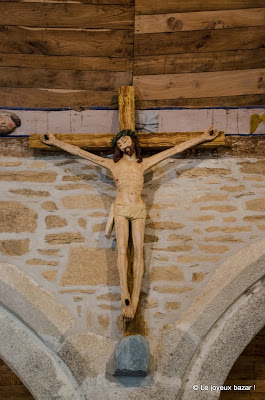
x=126, y=141
x=8, y=122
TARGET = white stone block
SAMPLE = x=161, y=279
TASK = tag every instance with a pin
x=94, y=121
x=59, y=121
x=184, y=120
x=41, y=122
x=219, y=119
x=232, y=122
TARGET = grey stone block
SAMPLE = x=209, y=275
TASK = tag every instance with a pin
x=131, y=356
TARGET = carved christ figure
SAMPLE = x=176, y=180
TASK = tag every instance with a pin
x=128, y=169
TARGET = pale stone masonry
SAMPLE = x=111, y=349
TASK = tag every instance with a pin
x=53, y=212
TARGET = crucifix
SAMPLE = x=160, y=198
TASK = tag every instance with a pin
x=128, y=169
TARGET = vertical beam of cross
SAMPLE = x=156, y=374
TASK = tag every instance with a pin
x=127, y=121
x=126, y=108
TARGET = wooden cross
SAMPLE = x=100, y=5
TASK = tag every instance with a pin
x=102, y=141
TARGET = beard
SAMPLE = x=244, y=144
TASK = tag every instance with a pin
x=5, y=130
x=129, y=150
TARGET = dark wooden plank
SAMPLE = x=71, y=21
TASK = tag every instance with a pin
x=198, y=62
x=235, y=395
x=101, y=141
x=241, y=395
x=4, y=369
x=239, y=375
x=194, y=21
x=69, y=15
x=63, y=79
x=16, y=97
x=15, y=392
x=225, y=101
x=204, y=84
x=66, y=62
x=260, y=385
x=262, y=332
x=200, y=41
x=129, y=2
x=101, y=2
x=256, y=347
x=243, y=363
x=8, y=379
x=260, y=374
x=102, y=43
x=173, y=6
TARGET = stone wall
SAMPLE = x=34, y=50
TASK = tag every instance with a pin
x=58, y=278
x=52, y=220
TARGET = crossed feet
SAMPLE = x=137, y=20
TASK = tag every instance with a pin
x=128, y=308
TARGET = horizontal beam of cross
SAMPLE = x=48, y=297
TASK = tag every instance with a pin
x=101, y=141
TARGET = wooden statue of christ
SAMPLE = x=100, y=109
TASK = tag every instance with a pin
x=128, y=169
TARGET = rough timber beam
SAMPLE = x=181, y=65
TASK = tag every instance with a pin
x=101, y=141
x=127, y=121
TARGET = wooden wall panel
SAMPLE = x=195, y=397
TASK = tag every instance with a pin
x=57, y=49
x=205, y=84
x=61, y=42
x=63, y=79
x=199, y=20
x=198, y=62
x=173, y=6
x=64, y=54
x=58, y=98
x=66, y=15
x=200, y=41
x=199, y=54
x=224, y=101
x=98, y=2
x=67, y=62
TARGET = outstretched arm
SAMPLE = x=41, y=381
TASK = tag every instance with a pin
x=50, y=139
x=207, y=136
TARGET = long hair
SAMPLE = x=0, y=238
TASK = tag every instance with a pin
x=118, y=154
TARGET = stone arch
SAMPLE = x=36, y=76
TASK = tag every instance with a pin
x=33, y=305
x=225, y=342
x=202, y=346
x=40, y=369
x=32, y=324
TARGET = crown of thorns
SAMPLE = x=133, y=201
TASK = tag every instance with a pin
x=124, y=132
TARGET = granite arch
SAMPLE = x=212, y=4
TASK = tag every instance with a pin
x=32, y=324
x=232, y=301
x=44, y=374
x=33, y=305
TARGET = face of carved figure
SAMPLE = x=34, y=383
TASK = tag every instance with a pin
x=7, y=125
x=126, y=145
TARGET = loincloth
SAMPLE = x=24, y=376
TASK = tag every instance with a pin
x=130, y=212
x=124, y=210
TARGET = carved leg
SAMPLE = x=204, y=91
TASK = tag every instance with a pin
x=138, y=261
x=122, y=236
